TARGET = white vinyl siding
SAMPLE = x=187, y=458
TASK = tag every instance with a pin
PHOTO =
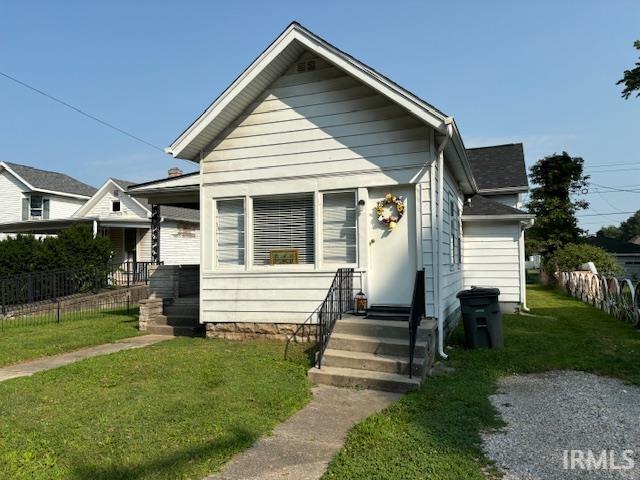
x=283, y=222
x=339, y=229
x=230, y=245
x=491, y=257
x=179, y=243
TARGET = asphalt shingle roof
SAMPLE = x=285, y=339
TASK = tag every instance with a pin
x=479, y=205
x=614, y=246
x=166, y=211
x=499, y=166
x=54, y=181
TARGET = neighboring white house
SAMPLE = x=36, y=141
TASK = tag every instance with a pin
x=32, y=194
x=111, y=212
x=127, y=222
x=297, y=157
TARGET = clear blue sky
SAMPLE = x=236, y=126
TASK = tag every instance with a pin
x=539, y=72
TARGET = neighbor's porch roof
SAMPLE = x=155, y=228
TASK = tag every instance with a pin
x=181, y=191
x=56, y=225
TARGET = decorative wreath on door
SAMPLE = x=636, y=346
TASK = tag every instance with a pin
x=390, y=220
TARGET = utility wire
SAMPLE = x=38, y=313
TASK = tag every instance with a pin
x=81, y=112
x=602, y=214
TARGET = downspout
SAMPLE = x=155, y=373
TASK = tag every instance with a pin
x=523, y=270
x=440, y=156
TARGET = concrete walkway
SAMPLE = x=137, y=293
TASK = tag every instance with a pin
x=30, y=367
x=301, y=447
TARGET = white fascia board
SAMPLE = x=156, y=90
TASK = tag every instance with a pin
x=514, y=217
x=313, y=43
x=503, y=191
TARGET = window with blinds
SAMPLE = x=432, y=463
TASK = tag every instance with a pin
x=339, y=227
x=283, y=229
x=230, y=232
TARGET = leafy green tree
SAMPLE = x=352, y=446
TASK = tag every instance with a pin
x=572, y=256
x=631, y=78
x=626, y=231
x=558, y=178
x=610, y=231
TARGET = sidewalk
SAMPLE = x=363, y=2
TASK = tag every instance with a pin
x=302, y=447
x=30, y=367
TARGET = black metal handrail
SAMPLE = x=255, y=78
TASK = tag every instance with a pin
x=339, y=300
x=416, y=314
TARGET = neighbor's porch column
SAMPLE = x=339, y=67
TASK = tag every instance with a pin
x=155, y=233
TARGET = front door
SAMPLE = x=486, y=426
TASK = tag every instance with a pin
x=392, y=253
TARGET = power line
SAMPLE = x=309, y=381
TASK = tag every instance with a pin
x=81, y=112
x=602, y=214
x=615, y=189
x=610, y=164
x=616, y=170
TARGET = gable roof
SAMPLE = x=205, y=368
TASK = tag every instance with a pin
x=273, y=61
x=614, y=246
x=499, y=168
x=479, y=206
x=48, y=181
x=166, y=211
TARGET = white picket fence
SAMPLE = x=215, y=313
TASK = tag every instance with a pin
x=620, y=298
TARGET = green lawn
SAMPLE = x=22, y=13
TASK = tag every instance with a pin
x=179, y=409
x=19, y=343
x=435, y=433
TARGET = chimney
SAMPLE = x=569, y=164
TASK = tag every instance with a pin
x=174, y=172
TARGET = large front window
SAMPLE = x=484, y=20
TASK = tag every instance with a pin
x=283, y=231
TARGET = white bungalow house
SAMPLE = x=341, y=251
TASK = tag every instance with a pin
x=29, y=194
x=301, y=158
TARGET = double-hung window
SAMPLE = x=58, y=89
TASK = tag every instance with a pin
x=339, y=237
x=35, y=207
x=283, y=229
x=230, y=242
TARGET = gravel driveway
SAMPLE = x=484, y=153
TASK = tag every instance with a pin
x=550, y=413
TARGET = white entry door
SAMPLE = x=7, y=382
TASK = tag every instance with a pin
x=392, y=253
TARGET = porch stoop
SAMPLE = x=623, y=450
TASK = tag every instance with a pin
x=179, y=318
x=374, y=353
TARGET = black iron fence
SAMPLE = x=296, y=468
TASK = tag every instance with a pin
x=58, y=295
x=339, y=300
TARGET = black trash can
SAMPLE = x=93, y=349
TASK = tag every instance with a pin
x=481, y=317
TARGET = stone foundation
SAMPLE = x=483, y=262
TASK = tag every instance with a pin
x=150, y=308
x=275, y=331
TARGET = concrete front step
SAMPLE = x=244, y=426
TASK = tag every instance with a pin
x=371, y=361
x=354, y=378
x=369, y=344
x=364, y=327
x=177, y=320
x=176, y=330
x=183, y=310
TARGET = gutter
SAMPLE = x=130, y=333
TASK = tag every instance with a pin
x=440, y=156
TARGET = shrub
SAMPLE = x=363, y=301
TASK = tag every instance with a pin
x=572, y=256
x=73, y=248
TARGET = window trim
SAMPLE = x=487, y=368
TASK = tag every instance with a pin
x=320, y=236
x=214, y=229
x=113, y=204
